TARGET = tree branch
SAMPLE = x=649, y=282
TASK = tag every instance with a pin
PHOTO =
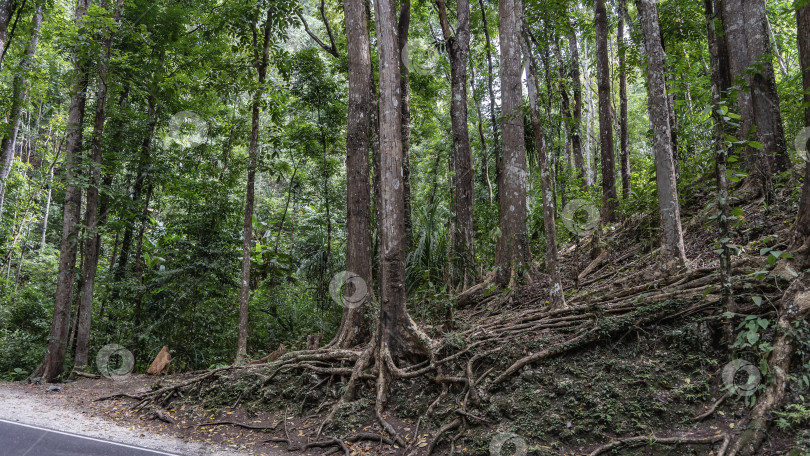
x=331, y=48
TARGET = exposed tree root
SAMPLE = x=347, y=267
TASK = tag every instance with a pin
x=712, y=409
x=444, y=429
x=794, y=307
x=453, y=368
x=635, y=441
x=241, y=425
x=117, y=395
x=368, y=437
x=159, y=415
x=334, y=441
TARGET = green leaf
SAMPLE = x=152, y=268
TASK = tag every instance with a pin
x=752, y=337
x=757, y=300
x=756, y=145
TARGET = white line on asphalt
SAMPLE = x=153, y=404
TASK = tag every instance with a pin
x=89, y=438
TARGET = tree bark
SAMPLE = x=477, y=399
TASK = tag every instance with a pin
x=801, y=228
x=51, y=367
x=19, y=96
x=552, y=261
x=610, y=199
x=403, y=27
x=624, y=133
x=392, y=204
x=353, y=326
x=746, y=38
x=464, y=235
x=92, y=244
x=673, y=254
x=260, y=63
x=512, y=252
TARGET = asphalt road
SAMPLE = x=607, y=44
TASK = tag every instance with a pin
x=23, y=440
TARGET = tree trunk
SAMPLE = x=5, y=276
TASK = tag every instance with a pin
x=47, y=211
x=493, y=117
x=484, y=150
x=353, y=326
x=392, y=204
x=746, y=38
x=610, y=199
x=260, y=62
x=19, y=96
x=624, y=133
x=403, y=27
x=144, y=163
x=721, y=163
x=801, y=228
x=463, y=235
x=552, y=262
x=591, y=145
x=673, y=254
x=770, y=128
x=92, y=244
x=512, y=251
x=52, y=365
x=6, y=11
x=576, y=127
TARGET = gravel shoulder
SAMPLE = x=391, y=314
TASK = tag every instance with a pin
x=71, y=409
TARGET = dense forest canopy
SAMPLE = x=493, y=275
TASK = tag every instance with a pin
x=228, y=177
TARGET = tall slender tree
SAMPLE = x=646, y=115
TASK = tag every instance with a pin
x=52, y=364
x=556, y=294
x=801, y=228
x=512, y=251
x=624, y=132
x=673, y=253
x=397, y=334
x=92, y=243
x=493, y=116
x=458, y=46
x=261, y=59
x=610, y=198
x=576, y=125
x=19, y=96
x=353, y=326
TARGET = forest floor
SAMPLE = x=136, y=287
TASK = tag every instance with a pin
x=637, y=353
